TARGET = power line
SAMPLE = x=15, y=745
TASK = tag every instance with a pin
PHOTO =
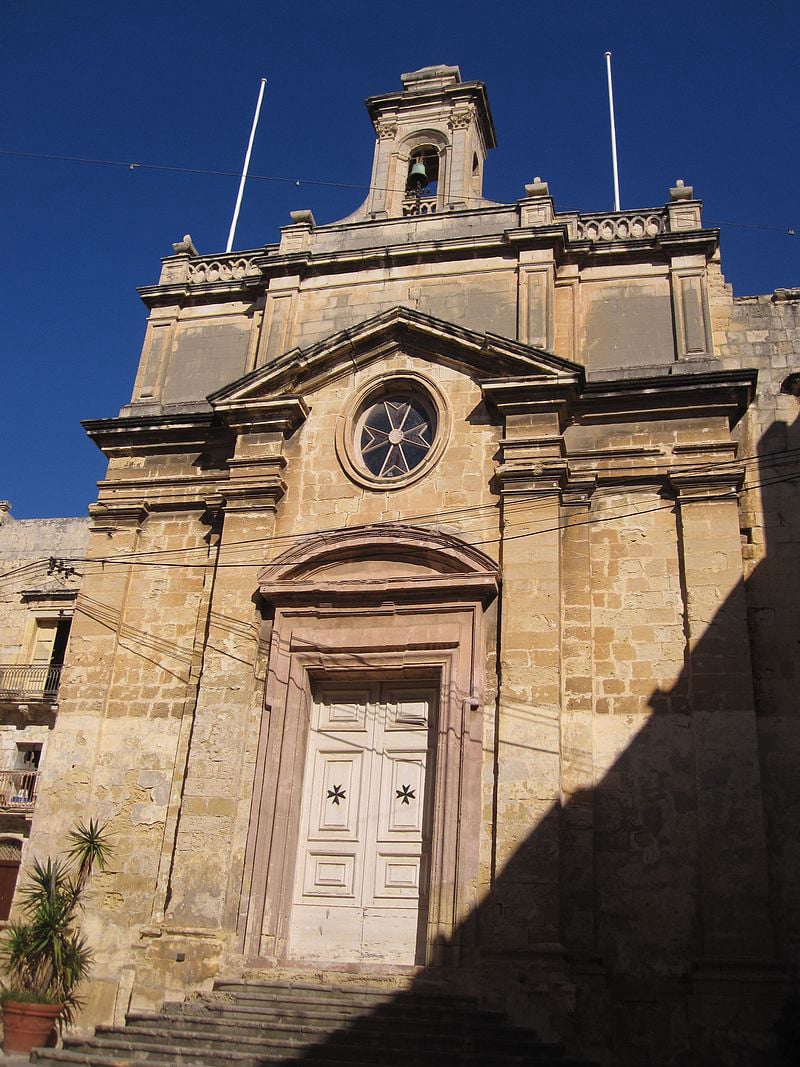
x=132, y=165
x=126, y=561
x=789, y=231
x=436, y=517
x=432, y=518
x=172, y=168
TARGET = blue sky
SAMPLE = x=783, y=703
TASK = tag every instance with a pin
x=704, y=91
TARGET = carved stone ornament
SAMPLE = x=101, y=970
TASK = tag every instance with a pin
x=185, y=247
x=386, y=131
x=460, y=119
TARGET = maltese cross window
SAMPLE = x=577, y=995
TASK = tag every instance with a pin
x=396, y=436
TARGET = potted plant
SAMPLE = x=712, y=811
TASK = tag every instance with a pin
x=44, y=953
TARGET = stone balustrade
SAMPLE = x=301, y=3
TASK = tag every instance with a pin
x=222, y=269
x=622, y=226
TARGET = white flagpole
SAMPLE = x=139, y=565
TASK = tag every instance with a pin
x=613, y=133
x=235, y=218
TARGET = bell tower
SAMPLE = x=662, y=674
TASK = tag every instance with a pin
x=432, y=141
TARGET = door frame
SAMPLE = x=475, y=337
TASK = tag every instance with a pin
x=431, y=627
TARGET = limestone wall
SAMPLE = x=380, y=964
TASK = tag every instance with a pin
x=764, y=332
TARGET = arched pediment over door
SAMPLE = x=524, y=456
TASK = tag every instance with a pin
x=379, y=614
x=372, y=562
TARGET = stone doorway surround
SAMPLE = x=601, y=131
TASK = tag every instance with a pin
x=393, y=602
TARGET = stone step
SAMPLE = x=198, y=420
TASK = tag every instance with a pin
x=45, y=1057
x=473, y=1040
x=289, y=1038
x=257, y=1024
x=279, y=1016
x=124, y=1051
x=93, y=1057
x=334, y=1015
x=360, y=995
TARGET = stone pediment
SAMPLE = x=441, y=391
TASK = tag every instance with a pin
x=394, y=562
x=484, y=356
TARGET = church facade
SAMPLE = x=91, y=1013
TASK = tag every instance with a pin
x=438, y=615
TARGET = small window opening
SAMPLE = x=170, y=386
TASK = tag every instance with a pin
x=475, y=188
x=28, y=756
x=60, y=642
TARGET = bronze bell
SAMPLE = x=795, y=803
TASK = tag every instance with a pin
x=418, y=176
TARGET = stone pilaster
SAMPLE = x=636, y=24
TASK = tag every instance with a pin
x=205, y=881
x=528, y=735
x=577, y=707
x=732, y=851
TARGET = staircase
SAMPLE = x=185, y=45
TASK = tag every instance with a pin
x=257, y=1024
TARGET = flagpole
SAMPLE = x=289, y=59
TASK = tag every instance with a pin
x=235, y=218
x=613, y=133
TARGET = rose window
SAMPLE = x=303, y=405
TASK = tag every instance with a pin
x=396, y=435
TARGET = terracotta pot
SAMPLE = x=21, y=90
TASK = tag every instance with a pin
x=27, y=1026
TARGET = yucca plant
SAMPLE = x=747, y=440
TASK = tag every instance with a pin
x=44, y=953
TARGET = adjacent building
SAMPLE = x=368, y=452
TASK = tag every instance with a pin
x=439, y=613
x=37, y=603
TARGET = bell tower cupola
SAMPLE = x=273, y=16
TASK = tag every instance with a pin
x=432, y=141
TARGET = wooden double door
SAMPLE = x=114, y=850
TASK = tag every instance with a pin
x=363, y=858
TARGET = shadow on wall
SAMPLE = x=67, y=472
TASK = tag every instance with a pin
x=664, y=950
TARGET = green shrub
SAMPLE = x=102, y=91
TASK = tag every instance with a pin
x=44, y=953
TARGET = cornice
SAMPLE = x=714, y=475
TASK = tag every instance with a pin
x=29, y=596
x=181, y=292
x=148, y=433
x=724, y=393
x=270, y=263
x=258, y=415
x=535, y=393
x=705, y=240
x=698, y=487
x=458, y=93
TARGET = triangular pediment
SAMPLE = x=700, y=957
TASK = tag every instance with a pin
x=484, y=356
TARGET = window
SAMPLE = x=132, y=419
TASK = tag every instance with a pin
x=50, y=641
x=396, y=435
x=393, y=432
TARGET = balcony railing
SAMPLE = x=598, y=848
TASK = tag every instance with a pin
x=29, y=681
x=18, y=790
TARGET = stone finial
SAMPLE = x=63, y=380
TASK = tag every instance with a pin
x=303, y=218
x=537, y=188
x=185, y=247
x=681, y=191
x=430, y=77
x=5, y=511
